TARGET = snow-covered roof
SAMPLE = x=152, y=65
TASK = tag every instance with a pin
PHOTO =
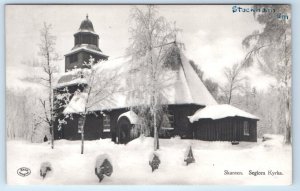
x=72, y=77
x=219, y=112
x=86, y=31
x=85, y=47
x=189, y=89
x=185, y=87
x=106, y=69
x=77, y=103
x=132, y=117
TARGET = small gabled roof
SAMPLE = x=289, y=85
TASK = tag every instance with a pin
x=70, y=78
x=219, y=112
x=131, y=116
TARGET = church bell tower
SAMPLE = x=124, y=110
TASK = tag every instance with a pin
x=86, y=44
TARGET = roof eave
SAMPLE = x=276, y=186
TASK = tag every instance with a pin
x=256, y=119
x=86, y=50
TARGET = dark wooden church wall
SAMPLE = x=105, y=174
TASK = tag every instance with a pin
x=71, y=65
x=252, y=137
x=70, y=130
x=81, y=58
x=182, y=125
x=114, y=114
x=93, y=128
x=87, y=55
x=227, y=129
x=253, y=131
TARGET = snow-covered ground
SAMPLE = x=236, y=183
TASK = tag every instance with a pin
x=131, y=162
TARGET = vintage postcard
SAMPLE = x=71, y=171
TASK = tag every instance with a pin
x=148, y=94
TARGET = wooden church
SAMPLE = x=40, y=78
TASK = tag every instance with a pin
x=192, y=112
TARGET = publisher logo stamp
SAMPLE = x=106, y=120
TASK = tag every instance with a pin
x=23, y=171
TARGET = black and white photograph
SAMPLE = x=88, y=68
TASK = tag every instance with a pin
x=148, y=94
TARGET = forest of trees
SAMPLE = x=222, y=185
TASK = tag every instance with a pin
x=270, y=50
x=24, y=116
x=266, y=104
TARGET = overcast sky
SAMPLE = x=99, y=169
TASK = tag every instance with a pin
x=212, y=34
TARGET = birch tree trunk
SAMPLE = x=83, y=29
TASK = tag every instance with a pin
x=47, y=51
x=287, y=94
x=156, y=139
x=82, y=134
x=150, y=31
x=50, y=100
x=288, y=118
x=154, y=99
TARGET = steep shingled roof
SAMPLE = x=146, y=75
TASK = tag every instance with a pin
x=195, y=91
x=186, y=87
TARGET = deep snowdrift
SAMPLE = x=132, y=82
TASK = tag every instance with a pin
x=131, y=162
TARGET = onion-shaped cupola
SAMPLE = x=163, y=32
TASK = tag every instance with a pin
x=86, y=25
x=86, y=44
x=86, y=35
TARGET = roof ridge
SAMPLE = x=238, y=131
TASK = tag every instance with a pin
x=185, y=77
x=210, y=100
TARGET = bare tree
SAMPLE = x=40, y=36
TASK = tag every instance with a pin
x=101, y=89
x=23, y=112
x=150, y=44
x=271, y=49
x=233, y=81
x=49, y=56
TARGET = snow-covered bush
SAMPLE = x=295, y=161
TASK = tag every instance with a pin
x=235, y=142
x=45, y=138
x=189, y=157
x=175, y=138
x=45, y=168
x=154, y=161
x=267, y=137
x=272, y=140
x=103, y=166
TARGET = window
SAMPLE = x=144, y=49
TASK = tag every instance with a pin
x=73, y=58
x=86, y=39
x=171, y=119
x=95, y=41
x=168, y=121
x=246, y=128
x=80, y=124
x=77, y=40
x=106, y=123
